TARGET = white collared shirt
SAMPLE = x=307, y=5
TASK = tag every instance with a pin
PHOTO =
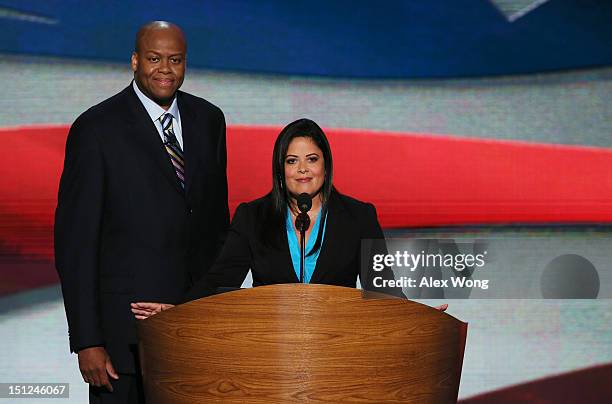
x=155, y=112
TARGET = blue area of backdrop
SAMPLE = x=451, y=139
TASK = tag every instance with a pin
x=359, y=38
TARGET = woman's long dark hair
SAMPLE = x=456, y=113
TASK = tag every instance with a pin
x=274, y=225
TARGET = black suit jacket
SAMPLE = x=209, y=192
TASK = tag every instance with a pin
x=349, y=221
x=125, y=230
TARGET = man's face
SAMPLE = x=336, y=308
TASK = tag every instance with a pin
x=159, y=64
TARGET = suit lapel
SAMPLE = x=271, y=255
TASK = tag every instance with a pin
x=143, y=130
x=288, y=260
x=336, y=221
x=190, y=140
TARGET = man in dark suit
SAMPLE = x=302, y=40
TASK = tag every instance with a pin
x=142, y=209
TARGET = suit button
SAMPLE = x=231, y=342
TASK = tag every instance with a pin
x=190, y=211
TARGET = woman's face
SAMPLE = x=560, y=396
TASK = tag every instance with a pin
x=304, y=167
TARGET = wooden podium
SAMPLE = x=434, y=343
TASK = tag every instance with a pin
x=301, y=343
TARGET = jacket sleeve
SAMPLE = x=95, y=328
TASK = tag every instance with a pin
x=373, y=243
x=233, y=262
x=77, y=233
x=222, y=196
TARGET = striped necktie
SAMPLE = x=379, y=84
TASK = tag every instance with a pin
x=173, y=148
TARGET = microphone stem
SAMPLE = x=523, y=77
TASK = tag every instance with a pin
x=302, y=253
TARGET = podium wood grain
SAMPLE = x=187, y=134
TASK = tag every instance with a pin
x=301, y=343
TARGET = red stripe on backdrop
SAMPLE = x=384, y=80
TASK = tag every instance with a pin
x=432, y=180
x=414, y=180
x=590, y=385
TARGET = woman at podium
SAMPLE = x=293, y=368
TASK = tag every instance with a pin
x=264, y=236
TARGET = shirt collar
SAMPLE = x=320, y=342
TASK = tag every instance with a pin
x=154, y=110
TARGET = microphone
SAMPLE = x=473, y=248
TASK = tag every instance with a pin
x=302, y=223
x=302, y=220
x=304, y=202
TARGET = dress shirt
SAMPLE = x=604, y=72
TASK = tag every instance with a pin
x=155, y=112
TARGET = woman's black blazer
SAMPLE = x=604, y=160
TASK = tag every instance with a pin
x=349, y=221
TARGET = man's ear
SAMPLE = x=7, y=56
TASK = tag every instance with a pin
x=134, y=61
